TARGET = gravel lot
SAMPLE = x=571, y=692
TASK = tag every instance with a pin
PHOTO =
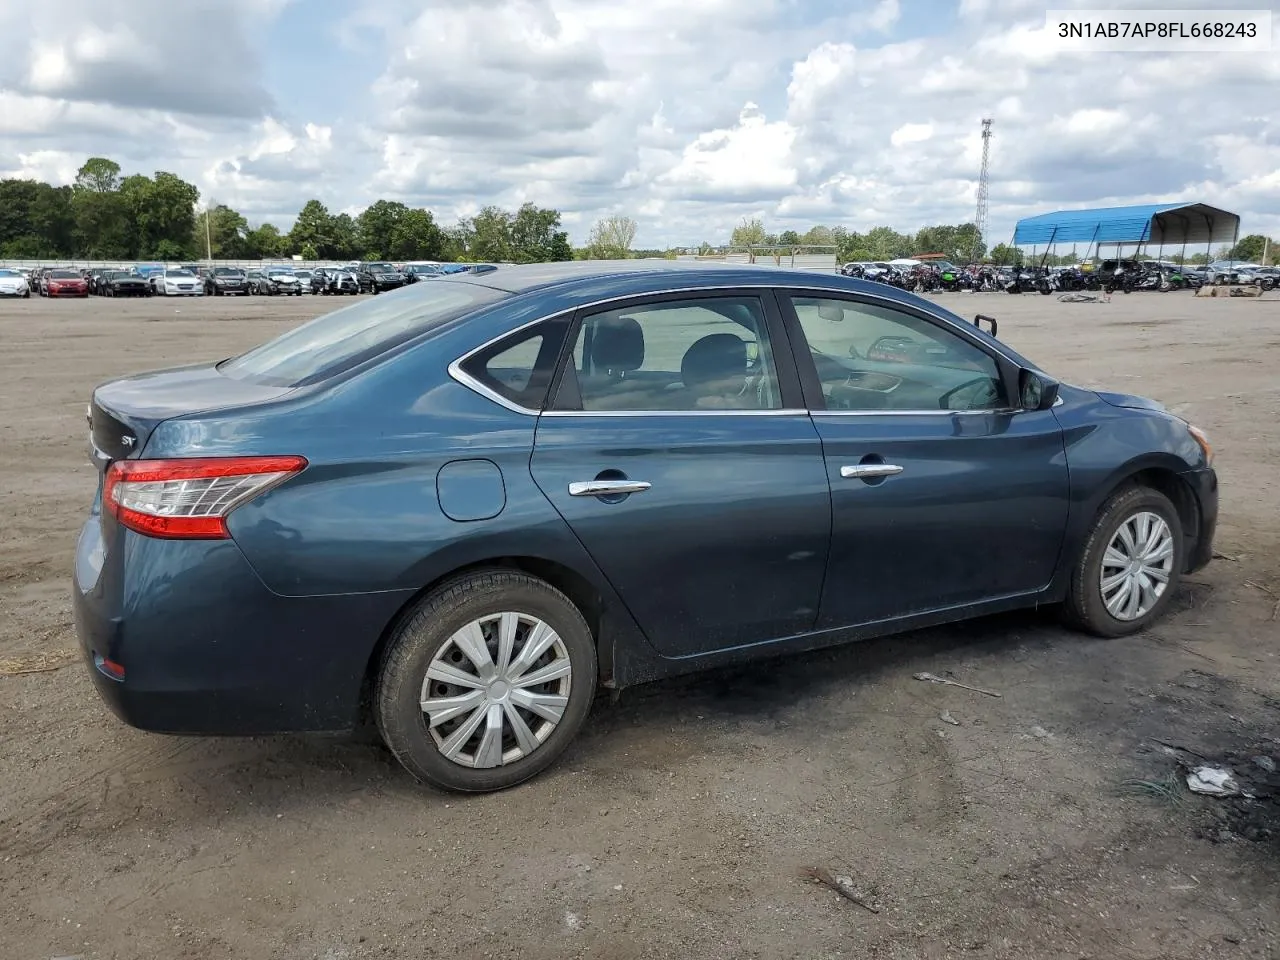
x=679, y=824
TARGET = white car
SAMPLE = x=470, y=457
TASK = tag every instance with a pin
x=1230, y=271
x=14, y=284
x=178, y=283
x=284, y=281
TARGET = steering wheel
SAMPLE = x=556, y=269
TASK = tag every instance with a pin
x=977, y=394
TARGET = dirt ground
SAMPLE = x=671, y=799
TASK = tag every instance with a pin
x=678, y=825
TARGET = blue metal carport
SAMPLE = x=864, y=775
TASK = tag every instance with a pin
x=1143, y=225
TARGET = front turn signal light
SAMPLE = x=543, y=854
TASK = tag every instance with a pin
x=1202, y=439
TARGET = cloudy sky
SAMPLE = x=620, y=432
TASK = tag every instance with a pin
x=685, y=114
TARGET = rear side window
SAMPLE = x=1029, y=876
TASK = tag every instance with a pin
x=338, y=341
x=519, y=368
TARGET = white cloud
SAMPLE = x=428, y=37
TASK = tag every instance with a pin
x=911, y=133
x=745, y=162
x=884, y=16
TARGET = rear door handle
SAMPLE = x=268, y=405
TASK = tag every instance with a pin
x=865, y=471
x=607, y=488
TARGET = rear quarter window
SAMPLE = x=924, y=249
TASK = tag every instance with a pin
x=519, y=368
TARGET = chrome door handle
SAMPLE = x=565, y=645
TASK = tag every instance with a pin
x=866, y=471
x=607, y=488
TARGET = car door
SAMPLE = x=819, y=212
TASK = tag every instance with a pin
x=944, y=493
x=678, y=451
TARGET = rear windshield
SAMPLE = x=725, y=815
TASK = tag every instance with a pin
x=338, y=341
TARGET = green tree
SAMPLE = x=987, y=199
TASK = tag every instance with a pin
x=170, y=213
x=417, y=237
x=53, y=220
x=378, y=225
x=535, y=237
x=749, y=233
x=314, y=227
x=227, y=234
x=1250, y=248
x=344, y=239
x=789, y=238
x=1004, y=255
x=487, y=235
x=818, y=237
x=611, y=238
x=266, y=242
x=99, y=175
x=16, y=198
x=103, y=225
x=885, y=243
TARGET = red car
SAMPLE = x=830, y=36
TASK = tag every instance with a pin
x=63, y=283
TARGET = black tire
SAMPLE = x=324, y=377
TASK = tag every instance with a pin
x=27, y=294
x=1084, y=607
x=429, y=627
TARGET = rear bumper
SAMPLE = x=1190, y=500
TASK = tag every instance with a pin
x=207, y=649
x=1204, y=484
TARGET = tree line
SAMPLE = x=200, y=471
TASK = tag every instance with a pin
x=104, y=215
x=961, y=243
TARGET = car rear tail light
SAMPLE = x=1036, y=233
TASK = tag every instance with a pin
x=189, y=499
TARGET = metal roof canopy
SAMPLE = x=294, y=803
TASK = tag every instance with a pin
x=1157, y=223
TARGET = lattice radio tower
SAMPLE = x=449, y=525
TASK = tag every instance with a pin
x=980, y=219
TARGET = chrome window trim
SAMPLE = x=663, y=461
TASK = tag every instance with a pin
x=914, y=413
x=781, y=289
x=780, y=412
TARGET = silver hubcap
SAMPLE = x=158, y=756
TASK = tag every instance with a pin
x=1136, y=566
x=496, y=690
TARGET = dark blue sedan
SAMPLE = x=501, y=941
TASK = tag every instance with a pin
x=460, y=509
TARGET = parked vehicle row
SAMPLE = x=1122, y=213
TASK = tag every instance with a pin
x=194, y=280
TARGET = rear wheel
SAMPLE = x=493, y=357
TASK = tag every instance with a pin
x=487, y=682
x=1130, y=566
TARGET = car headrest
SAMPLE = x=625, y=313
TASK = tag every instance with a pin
x=618, y=344
x=715, y=358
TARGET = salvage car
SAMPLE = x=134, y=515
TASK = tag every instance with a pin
x=122, y=283
x=13, y=284
x=332, y=281
x=379, y=277
x=283, y=281
x=459, y=509
x=177, y=282
x=63, y=283
x=226, y=282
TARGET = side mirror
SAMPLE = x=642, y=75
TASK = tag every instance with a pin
x=1036, y=391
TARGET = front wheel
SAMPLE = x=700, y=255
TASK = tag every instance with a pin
x=1130, y=566
x=486, y=682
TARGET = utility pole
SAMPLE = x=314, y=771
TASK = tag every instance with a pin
x=208, y=236
x=980, y=218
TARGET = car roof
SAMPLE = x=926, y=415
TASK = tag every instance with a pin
x=584, y=282
x=643, y=274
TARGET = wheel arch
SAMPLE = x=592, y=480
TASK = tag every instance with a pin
x=1160, y=473
x=582, y=593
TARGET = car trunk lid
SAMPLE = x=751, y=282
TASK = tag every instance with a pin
x=123, y=413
